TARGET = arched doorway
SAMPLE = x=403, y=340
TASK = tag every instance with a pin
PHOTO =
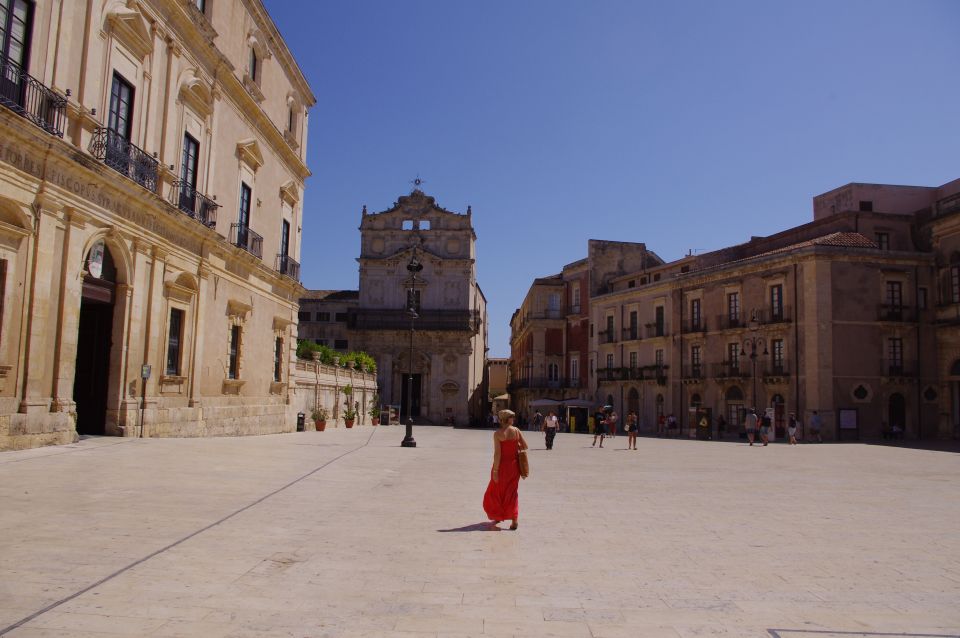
x=91, y=378
x=735, y=409
x=897, y=412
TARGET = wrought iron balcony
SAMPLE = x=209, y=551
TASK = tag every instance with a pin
x=287, y=265
x=631, y=334
x=779, y=369
x=693, y=371
x=242, y=237
x=126, y=158
x=690, y=326
x=25, y=95
x=193, y=203
x=607, y=336
x=896, y=312
x=389, y=319
x=780, y=314
x=898, y=368
x=727, y=322
x=730, y=370
x=544, y=383
x=651, y=372
x=656, y=330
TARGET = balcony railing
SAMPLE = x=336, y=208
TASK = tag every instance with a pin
x=631, y=334
x=195, y=204
x=728, y=370
x=126, y=158
x=780, y=369
x=689, y=326
x=652, y=372
x=656, y=330
x=242, y=237
x=287, y=265
x=546, y=314
x=691, y=371
x=25, y=95
x=896, y=312
x=947, y=205
x=898, y=368
x=726, y=322
x=388, y=319
x=607, y=336
x=782, y=314
x=574, y=309
x=545, y=383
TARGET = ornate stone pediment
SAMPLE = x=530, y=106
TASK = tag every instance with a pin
x=197, y=94
x=289, y=193
x=249, y=152
x=129, y=27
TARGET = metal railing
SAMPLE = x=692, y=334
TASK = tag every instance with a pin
x=388, y=319
x=546, y=314
x=690, y=326
x=780, y=369
x=896, y=312
x=287, y=265
x=126, y=158
x=652, y=372
x=897, y=368
x=728, y=370
x=25, y=95
x=781, y=314
x=242, y=237
x=607, y=336
x=726, y=322
x=193, y=203
x=631, y=334
x=656, y=330
x=544, y=382
x=691, y=371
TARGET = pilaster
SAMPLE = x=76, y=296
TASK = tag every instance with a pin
x=68, y=315
x=199, y=332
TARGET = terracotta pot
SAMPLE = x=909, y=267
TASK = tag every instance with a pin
x=348, y=423
x=374, y=420
x=321, y=425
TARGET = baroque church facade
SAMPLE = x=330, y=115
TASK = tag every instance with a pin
x=449, y=340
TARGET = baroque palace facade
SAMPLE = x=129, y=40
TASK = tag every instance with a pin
x=152, y=160
x=448, y=372
x=855, y=315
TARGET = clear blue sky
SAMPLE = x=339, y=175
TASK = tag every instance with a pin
x=685, y=125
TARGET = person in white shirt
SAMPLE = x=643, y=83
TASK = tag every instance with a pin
x=550, y=425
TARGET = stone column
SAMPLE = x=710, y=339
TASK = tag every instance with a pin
x=68, y=317
x=37, y=358
x=199, y=314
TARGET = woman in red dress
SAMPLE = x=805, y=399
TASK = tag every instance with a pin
x=500, y=500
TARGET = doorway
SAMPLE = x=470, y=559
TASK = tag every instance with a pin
x=415, y=391
x=91, y=377
x=897, y=412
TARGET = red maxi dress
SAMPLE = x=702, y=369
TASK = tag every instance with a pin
x=500, y=500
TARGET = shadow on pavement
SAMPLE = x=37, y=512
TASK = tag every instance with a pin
x=486, y=526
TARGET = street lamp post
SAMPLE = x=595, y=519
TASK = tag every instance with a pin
x=413, y=268
x=753, y=342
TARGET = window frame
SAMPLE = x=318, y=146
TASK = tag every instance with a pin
x=234, y=352
x=175, y=342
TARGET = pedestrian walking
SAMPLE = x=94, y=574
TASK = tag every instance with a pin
x=661, y=425
x=501, y=501
x=550, y=426
x=538, y=421
x=765, y=429
x=630, y=425
x=815, y=425
x=792, y=429
x=672, y=425
x=600, y=426
x=750, y=424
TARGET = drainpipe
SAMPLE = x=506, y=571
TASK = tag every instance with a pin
x=796, y=346
x=916, y=304
x=683, y=413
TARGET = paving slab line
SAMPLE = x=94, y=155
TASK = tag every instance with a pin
x=180, y=541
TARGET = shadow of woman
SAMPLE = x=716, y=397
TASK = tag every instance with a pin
x=486, y=526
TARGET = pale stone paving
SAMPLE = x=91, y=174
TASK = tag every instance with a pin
x=680, y=538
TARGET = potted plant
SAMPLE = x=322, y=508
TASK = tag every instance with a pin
x=375, y=410
x=319, y=416
x=349, y=414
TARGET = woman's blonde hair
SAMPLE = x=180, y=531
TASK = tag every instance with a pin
x=503, y=415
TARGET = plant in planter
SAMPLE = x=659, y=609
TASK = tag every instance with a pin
x=319, y=416
x=349, y=414
x=375, y=410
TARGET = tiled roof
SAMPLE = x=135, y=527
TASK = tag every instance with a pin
x=839, y=239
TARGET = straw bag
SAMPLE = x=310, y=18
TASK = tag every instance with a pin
x=524, y=463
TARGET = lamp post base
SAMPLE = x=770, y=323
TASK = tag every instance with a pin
x=408, y=439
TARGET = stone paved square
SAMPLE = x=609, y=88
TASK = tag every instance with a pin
x=343, y=533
